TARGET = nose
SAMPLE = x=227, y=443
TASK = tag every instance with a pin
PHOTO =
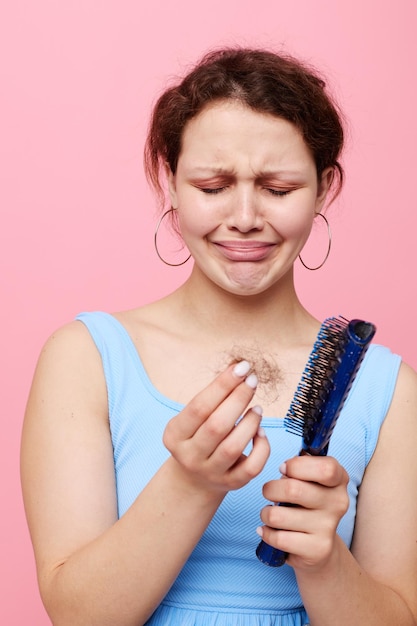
x=244, y=213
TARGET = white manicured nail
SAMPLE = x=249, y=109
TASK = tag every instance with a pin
x=242, y=368
x=257, y=409
x=252, y=381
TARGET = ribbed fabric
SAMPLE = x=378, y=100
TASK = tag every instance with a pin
x=223, y=583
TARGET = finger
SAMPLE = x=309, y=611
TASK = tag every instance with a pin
x=303, y=549
x=297, y=519
x=205, y=403
x=297, y=492
x=309, y=496
x=220, y=440
x=324, y=470
x=247, y=467
x=224, y=422
x=232, y=447
x=295, y=544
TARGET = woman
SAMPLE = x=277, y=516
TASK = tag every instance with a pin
x=146, y=461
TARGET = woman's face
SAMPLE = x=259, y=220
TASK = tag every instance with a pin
x=246, y=191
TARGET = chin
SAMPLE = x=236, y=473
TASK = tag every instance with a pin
x=245, y=290
x=252, y=284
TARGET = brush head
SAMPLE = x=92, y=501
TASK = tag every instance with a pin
x=326, y=381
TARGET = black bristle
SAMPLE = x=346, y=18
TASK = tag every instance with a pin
x=316, y=381
x=326, y=381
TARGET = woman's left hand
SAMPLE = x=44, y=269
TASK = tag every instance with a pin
x=317, y=486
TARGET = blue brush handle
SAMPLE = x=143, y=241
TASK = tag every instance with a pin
x=316, y=440
x=270, y=556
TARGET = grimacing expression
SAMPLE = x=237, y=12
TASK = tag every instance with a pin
x=246, y=191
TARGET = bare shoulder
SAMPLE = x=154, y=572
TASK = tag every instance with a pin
x=400, y=427
x=406, y=389
x=385, y=539
x=70, y=349
x=68, y=385
x=68, y=388
x=67, y=468
x=396, y=444
x=72, y=337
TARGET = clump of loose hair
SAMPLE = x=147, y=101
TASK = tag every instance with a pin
x=263, y=80
x=264, y=365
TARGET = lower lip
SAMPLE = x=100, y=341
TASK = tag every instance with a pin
x=244, y=254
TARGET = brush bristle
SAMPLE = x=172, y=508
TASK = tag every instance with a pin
x=317, y=379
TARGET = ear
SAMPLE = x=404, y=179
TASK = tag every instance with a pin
x=172, y=188
x=323, y=187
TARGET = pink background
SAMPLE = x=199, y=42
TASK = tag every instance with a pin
x=77, y=82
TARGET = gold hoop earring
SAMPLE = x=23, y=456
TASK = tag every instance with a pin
x=155, y=241
x=329, y=233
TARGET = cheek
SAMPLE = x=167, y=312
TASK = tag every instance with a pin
x=194, y=222
x=194, y=216
x=294, y=221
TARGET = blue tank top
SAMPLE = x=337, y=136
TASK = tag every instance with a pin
x=223, y=583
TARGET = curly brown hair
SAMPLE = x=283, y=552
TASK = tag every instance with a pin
x=266, y=82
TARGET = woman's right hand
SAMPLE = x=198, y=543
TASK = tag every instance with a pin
x=208, y=437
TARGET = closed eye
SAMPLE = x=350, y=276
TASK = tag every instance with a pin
x=212, y=190
x=279, y=192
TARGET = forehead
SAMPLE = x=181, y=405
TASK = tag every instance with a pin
x=228, y=129
x=230, y=115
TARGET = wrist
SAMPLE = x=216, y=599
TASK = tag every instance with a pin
x=326, y=568
x=191, y=486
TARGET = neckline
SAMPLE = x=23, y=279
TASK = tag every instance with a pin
x=270, y=421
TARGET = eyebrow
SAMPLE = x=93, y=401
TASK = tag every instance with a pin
x=264, y=174
x=201, y=170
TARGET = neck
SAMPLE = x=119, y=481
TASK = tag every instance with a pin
x=276, y=312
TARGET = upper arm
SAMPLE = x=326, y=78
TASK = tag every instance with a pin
x=66, y=457
x=385, y=539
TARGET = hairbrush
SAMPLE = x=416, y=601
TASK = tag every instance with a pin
x=321, y=393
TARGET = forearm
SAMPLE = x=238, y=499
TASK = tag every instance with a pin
x=121, y=577
x=344, y=594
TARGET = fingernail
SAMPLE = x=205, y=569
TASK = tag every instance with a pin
x=261, y=432
x=260, y=531
x=252, y=381
x=283, y=469
x=242, y=368
x=257, y=409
